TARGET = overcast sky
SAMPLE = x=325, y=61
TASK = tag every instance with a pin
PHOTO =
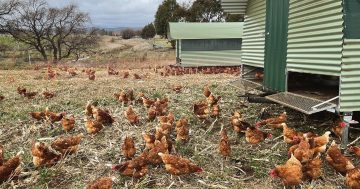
x=116, y=13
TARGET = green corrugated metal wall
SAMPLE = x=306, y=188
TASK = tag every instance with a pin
x=315, y=36
x=211, y=58
x=350, y=76
x=234, y=6
x=275, y=44
x=253, y=48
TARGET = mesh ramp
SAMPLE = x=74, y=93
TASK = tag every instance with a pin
x=246, y=84
x=301, y=103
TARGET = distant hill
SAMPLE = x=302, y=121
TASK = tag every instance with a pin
x=119, y=29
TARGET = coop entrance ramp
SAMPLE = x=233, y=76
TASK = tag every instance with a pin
x=301, y=103
x=246, y=84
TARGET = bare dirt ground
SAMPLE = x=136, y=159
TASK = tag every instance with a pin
x=248, y=166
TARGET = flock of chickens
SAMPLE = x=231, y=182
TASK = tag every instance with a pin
x=305, y=153
x=164, y=71
x=304, y=161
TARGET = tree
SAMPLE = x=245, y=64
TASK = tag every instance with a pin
x=128, y=33
x=234, y=18
x=81, y=42
x=148, y=31
x=205, y=11
x=7, y=7
x=29, y=25
x=64, y=22
x=55, y=29
x=168, y=11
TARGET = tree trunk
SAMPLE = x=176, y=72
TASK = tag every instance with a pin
x=55, y=52
x=55, y=57
x=41, y=50
x=59, y=50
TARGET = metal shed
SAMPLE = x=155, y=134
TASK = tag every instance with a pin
x=207, y=44
x=307, y=50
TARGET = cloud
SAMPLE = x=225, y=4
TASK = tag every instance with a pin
x=116, y=13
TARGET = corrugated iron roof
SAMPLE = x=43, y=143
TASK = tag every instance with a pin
x=234, y=6
x=222, y=30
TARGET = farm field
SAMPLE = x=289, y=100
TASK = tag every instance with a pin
x=248, y=166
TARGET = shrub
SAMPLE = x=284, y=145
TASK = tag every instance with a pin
x=148, y=31
x=128, y=34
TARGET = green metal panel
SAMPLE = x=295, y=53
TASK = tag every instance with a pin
x=253, y=44
x=277, y=13
x=234, y=6
x=315, y=36
x=177, y=51
x=210, y=44
x=211, y=58
x=350, y=76
x=180, y=49
x=218, y=30
x=352, y=17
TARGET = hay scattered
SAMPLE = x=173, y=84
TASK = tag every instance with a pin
x=247, y=168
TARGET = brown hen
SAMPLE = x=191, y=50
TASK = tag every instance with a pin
x=254, y=135
x=67, y=145
x=38, y=115
x=290, y=135
x=100, y=183
x=102, y=116
x=338, y=128
x=8, y=168
x=136, y=167
x=128, y=147
x=274, y=121
x=238, y=124
x=337, y=160
x=179, y=166
x=290, y=173
x=68, y=124
x=47, y=95
x=320, y=142
x=182, y=130
x=355, y=150
x=206, y=91
x=312, y=169
x=43, y=156
x=201, y=110
x=352, y=179
x=93, y=126
x=224, y=146
x=303, y=152
x=149, y=140
x=53, y=117
x=131, y=115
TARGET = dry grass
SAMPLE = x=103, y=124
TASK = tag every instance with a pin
x=247, y=168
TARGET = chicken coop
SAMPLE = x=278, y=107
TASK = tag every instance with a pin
x=207, y=44
x=307, y=52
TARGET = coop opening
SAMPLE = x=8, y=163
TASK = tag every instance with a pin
x=320, y=87
x=254, y=75
x=309, y=93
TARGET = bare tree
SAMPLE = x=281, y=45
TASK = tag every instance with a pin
x=64, y=24
x=29, y=24
x=81, y=43
x=59, y=30
x=7, y=7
